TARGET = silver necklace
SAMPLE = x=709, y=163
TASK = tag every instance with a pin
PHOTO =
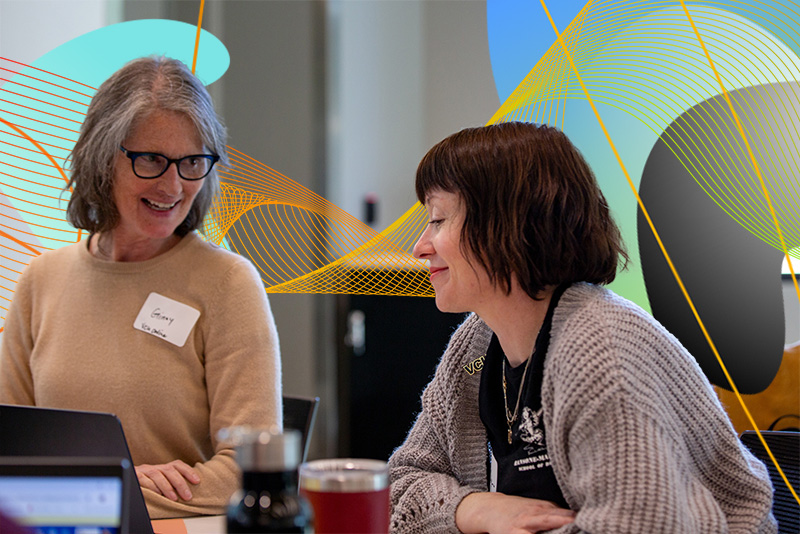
x=511, y=418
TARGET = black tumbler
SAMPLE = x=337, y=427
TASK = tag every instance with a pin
x=268, y=500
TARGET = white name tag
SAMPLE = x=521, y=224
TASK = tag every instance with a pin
x=166, y=318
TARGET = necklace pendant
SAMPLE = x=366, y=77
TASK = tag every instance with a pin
x=509, y=436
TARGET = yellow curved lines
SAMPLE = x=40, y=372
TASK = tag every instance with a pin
x=561, y=42
x=767, y=197
x=641, y=57
x=644, y=58
x=301, y=243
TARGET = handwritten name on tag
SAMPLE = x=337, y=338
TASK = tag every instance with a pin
x=166, y=318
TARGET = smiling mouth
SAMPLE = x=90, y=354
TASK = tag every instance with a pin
x=158, y=206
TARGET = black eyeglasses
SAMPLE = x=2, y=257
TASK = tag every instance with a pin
x=150, y=165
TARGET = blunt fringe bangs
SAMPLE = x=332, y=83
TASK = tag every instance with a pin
x=533, y=208
x=140, y=87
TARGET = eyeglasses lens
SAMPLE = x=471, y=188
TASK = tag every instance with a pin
x=153, y=165
x=149, y=165
x=194, y=167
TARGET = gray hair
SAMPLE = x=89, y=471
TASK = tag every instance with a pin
x=129, y=95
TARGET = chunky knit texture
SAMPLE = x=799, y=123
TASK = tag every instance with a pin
x=637, y=438
x=69, y=342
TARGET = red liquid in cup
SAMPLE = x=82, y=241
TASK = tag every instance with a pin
x=349, y=512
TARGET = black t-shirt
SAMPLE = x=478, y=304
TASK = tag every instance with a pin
x=523, y=467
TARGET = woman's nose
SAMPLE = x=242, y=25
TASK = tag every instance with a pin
x=170, y=181
x=423, y=248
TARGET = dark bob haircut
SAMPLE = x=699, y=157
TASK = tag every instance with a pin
x=140, y=87
x=533, y=209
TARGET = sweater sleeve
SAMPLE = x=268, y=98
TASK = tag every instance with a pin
x=16, y=379
x=431, y=473
x=242, y=371
x=641, y=444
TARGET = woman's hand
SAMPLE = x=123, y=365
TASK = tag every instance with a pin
x=169, y=480
x=498, y=513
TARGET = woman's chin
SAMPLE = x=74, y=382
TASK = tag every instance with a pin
x=447, y=306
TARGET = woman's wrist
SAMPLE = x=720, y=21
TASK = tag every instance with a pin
x=470, y=513
x=478, y=513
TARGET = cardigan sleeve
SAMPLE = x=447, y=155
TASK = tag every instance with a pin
x=638, y=439
x=425, y=492
x=242, y=371
x=630, y=473
x=444, y=456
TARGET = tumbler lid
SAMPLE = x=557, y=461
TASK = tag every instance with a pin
x=264, y=449
x=345, y=475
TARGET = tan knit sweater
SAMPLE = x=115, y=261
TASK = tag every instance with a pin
x=69, y=342
x=638, y=441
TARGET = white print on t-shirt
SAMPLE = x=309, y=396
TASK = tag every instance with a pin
x=531, y=431
x=530, y=427
x=533, y=462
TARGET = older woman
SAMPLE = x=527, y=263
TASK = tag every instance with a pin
x=557, y=404
x=144, y=318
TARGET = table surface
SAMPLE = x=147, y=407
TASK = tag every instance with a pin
x=210, y=524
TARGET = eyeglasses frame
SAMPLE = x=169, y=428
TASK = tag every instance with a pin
x=130, y=154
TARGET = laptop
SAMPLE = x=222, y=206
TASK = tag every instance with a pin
x=52, y=495
x=35, y=432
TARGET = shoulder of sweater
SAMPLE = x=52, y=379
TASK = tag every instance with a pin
x=54, y=260
x=198, y=245
x=586, y=308
x=214, y=256
x=195, y=249
x=57, y=255
x=599, y=335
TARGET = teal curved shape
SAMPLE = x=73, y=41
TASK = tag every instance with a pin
x=50, y=108
x=94, y=56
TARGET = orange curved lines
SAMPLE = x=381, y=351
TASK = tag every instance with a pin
x=31, y=221
x=61, y=97
x=27, y=97
x=20, y=243
x=34, y=162
x=299, y=241
x=45, y=133
x=35, y=234
x=30, y=181
x=23, y=65
x=40, y=147
x=40, y=122
x=40, y=111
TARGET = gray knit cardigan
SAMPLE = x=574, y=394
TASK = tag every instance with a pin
x=637, y=438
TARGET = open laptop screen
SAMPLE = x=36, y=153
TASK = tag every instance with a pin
x=32, y=431
x=65, y=495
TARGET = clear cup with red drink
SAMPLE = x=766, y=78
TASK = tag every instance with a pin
x=348, y=495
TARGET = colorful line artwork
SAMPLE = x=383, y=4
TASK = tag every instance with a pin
x=299, y=241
